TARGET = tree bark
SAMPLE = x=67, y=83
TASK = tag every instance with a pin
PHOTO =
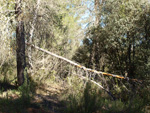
x=30, y=40
x=94, y=59
x=20, y=44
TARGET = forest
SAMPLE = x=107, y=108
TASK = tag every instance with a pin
x=74, y=56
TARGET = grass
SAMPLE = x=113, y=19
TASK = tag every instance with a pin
x=90, y=99
x=30, y=98
x=14, y=99
x=70, y=95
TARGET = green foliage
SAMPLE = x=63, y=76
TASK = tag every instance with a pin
x=88, y=102
x=7, y=71
x=137, y=105
x=25, y=91
x=120, y=42
x=10, y=105
x=92, y=100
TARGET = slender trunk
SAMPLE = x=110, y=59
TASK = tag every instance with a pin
x=129, y=56
x=20, y=44
x=30, y=40
x=130, y=60
x=93, y=55
x=97, y=8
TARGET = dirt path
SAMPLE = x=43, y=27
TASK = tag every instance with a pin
x=45, y=100
x=47, y=97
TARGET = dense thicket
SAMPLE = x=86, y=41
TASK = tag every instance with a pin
x=121, y=39
x=48, y=24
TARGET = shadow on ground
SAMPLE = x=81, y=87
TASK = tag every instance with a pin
x=38, y=103
x=4, y=86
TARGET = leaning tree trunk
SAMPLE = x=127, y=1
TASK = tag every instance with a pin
x=20, y=44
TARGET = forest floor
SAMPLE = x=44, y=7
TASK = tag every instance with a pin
x=48, y=97
x=45, y=100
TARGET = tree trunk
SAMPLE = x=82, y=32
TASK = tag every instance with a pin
x=94, y=59
x=20, y=44
x=30, y=40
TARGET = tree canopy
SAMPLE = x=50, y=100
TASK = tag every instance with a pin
x=101, y=37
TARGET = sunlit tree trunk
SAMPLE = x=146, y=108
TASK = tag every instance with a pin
x=30, y=40
x=20, y=44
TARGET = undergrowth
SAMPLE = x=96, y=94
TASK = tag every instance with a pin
x=91, y=99
x=16, y=99
x=79, y=96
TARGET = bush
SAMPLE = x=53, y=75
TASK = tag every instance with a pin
x=92, y=100
x=88, y=102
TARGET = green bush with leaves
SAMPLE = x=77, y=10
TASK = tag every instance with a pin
x=92, y=100
x=88, y=101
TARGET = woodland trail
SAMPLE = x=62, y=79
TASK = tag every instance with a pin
x=47, y=100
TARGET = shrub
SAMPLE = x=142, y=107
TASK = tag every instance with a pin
x=88, y=102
